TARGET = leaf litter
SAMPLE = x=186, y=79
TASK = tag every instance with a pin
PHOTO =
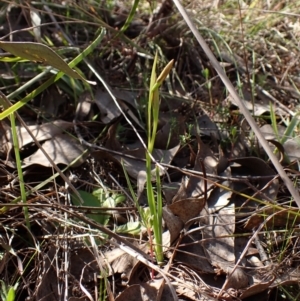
x=60, y=146
x=229, y=191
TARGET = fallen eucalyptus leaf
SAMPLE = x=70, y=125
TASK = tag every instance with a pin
x=62, y=149
x=174, y=225
x=187, y=209
x=108, y=108
x=40, y=132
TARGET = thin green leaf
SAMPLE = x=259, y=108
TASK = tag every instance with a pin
x=7, y=59
x=274, y=121
x=290, y=128
x=159, y=242
x=130, y=16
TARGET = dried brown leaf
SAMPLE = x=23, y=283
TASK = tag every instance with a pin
x=83, y=264
x=151, y=289
x=135, y=165
x=51, y=103
x=291, y=145
x=138, y=292
x=62, y=149
x=187, y=209
x=123, y=263
x=219, y=244
x=195, y=187
x=207, y=127
x=133, y=292
x=174, y=225
x=144, y=291
x=252, y=166
x=40, y=132
x=256, y=289
x=171, y=127
x=236, y=279
x=218, y=237
x=259, y=107
x=192, y=254
x=108, y=108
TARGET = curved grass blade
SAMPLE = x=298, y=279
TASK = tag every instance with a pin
x=5, y=102
x=130, y=16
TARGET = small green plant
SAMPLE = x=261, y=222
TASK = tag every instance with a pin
x=7, y=293
x=99, y=198
x=155, y=201
x=291, y=131
x=205, y=73
x=186, y=138
x=151, y=218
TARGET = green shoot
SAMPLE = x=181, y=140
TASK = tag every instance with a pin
x=155, y=202
x=5, y=102
x=208, y=84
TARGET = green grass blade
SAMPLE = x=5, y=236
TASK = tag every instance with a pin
x=159, y=242
x=28, y=84
x=19, y=167
x=5, y=102
x=290, y=128
x=130, y=16
x=274, y=121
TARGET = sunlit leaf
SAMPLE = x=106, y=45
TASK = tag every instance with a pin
x=11, y=294
x=41, y=53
